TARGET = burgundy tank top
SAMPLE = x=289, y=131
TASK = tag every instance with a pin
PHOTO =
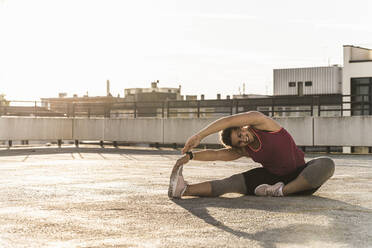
x=277, y=152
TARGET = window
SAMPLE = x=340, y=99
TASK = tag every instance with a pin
x=292, y=84
x=361, y=92
x=308, y=83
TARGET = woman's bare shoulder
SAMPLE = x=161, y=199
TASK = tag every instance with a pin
x=268, y=124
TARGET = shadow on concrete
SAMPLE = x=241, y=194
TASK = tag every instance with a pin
x=46, y=150
x=347, y=223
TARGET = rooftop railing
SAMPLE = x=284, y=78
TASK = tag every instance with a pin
x=322, y=105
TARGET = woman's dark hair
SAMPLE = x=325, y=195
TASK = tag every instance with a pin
x=225, y=136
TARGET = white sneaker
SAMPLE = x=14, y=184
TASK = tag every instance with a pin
x=177, y=185
x=269, y=190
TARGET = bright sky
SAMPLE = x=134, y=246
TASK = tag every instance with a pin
x=207, y=46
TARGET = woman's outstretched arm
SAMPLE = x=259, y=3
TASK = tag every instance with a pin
x=252, y=118
x=224, y=154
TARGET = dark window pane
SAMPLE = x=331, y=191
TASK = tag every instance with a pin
x=308, y=83
x=361, y=90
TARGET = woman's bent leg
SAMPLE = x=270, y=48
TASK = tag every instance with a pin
x=297, y=185
x=316, y=173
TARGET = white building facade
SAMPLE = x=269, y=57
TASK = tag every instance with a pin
x=353, y=82
x=308, y=81
x=154, y=89
x=313, y=81
x=357, y=81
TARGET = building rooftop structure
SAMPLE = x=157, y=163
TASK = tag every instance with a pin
x=2, y=97
x=154, y=93
x=359, y=54
x=321, y=80
x=357, y=80
x=245, y=96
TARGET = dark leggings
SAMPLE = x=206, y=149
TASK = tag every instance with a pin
x=316, y=172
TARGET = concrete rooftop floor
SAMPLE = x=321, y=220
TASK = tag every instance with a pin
x=93, y=197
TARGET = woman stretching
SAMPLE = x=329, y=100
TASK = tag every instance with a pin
x=252, y=134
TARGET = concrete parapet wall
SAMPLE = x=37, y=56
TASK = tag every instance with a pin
x=26, y=128
x=306, y=131
x=88, y=129
x=179, y=130
x=139, y=130
x=345, y=131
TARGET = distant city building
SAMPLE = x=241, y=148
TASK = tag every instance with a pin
x=150, y=101
x=3, y=100
x=246, y=96
x=191, y=97
x=79, y=106
x=63, y=94
x=357, y=80
x=351, y=83
x=264, y=109
x=3, y=104
x=297, y=92
x=154, y=93
x=308, y=81
x=313, y=81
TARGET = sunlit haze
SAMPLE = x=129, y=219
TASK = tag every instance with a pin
x=207, y=46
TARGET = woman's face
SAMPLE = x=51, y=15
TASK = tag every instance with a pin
x=241, y=137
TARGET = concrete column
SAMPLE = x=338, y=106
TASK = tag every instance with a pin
x=346, y=88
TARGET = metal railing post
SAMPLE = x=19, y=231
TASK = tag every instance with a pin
x=198, y=106
x=162, y=109
x=319, y=106
x=168, y=114
x=135, y=109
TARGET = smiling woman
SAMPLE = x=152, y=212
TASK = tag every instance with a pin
x=252, y=134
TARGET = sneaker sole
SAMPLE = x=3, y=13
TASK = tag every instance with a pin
x=259, y=188
x=173, y=182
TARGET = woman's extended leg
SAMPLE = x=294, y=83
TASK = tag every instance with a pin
x=178, y=187
x=199, y=189
x=233, y=184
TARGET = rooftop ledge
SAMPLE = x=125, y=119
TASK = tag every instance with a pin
x=359, y=61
